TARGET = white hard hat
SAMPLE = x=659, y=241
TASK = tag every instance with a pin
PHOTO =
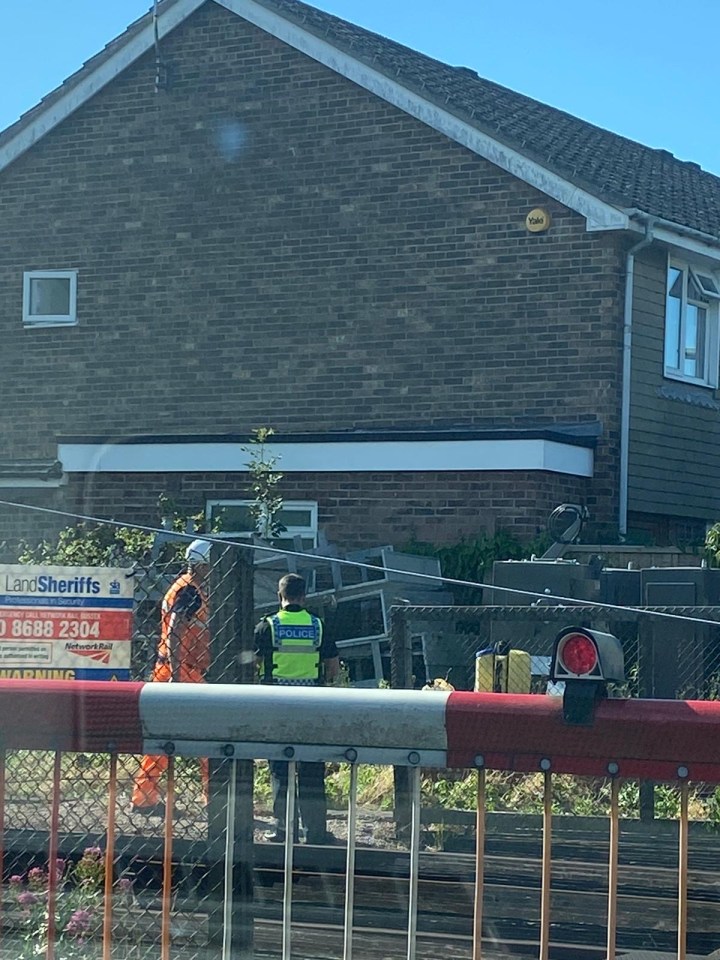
x=198, y=552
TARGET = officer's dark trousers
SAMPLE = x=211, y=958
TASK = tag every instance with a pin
x=311, y=801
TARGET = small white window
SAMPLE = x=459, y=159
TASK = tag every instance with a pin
x=49, y=297
x=691, y=326
x=299, y=517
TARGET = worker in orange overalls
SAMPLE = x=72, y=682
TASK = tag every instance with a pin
x=183, y=656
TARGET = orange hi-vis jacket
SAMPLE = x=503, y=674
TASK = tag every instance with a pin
x=191, y=626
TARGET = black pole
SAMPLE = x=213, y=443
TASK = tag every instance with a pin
x=232, y=661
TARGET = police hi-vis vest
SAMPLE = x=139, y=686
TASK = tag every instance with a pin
x=296, y=640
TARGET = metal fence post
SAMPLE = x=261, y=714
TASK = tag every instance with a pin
x=400, y=650
x=646, y=690
x=401, y=678
x=232, y=661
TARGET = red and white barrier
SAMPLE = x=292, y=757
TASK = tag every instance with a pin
x=657, y=739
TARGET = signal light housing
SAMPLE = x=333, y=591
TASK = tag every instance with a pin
x=577, y=654
x=586, y=661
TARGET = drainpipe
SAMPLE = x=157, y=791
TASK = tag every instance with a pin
x=626, y=373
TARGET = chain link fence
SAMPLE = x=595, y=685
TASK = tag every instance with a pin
x=667, y=656
x=664, y=657
x=87, y=789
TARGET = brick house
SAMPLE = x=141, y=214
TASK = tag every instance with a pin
x=458, y=307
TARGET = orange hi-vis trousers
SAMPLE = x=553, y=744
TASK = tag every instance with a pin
x=146, y=789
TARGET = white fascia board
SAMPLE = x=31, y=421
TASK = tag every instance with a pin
x=95, y=80
x=688, y=244
x=556, y=459
x=342, y=457
x=599, y=215
x=31, y=483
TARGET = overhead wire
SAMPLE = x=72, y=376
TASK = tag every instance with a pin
x=358, y=564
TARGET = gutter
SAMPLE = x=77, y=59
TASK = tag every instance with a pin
x=626, y=374
x=672, y=226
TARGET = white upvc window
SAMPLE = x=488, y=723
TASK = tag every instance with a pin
x=691, y=325
x=49, y=298
x=234, y=519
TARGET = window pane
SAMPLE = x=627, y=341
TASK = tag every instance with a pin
x=675, y=283
x=50, y=297
x=672, y=332
x=292, y=517
x=235, y=517
x=694, y=348
x=701, y=342
x=694, y=291
x=232, y=517
x=707, y=284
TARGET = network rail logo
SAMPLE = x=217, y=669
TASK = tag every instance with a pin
x=100, y=652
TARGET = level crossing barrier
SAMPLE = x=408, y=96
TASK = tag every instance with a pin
x=672, y=741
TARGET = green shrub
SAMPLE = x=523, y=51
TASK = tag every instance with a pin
x=472, y=560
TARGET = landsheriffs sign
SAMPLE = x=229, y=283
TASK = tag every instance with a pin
x=65, y=623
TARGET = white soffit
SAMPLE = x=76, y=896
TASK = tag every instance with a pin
x=686, y=243
x=332, y=457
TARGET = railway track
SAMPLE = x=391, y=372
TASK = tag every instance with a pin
x=647, y=904
x=647, y=894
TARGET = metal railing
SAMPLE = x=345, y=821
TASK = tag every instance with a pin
x=94, y=893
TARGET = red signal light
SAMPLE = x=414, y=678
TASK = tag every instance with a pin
x=578, y=654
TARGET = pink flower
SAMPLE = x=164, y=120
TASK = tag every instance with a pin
x=37, y=878
x=78, y=923
x=93, y=853
x=16, y=880
x=125, y=885
x=27, y=898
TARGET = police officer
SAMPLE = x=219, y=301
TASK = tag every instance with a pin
x=292, y=649
x=183, y=656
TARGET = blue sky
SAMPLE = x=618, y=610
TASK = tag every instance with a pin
x=641, y=68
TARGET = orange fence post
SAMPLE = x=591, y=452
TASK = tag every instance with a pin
x=110, y=859
x=53, y=858
x=167, y=861
x=613, y=867
x=683, y=872
x=479, y=865
x=546, y=863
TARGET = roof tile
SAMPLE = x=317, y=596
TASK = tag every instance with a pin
x=616, y=169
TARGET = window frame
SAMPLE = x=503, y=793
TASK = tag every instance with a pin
x=711, y=305
x=309, y=532
x=49, y=320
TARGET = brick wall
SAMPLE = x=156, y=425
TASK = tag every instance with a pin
x=19, y=524
x=355, y=510
x=266, y=243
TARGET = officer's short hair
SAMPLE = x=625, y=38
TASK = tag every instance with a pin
x=291, y=587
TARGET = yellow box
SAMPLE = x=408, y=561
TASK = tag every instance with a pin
x=485, y=673
x=516, y=675
x=503, y=674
